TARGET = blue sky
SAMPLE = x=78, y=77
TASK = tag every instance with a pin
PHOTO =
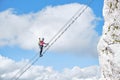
x=57, y=61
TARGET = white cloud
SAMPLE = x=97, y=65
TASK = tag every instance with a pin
x=24, y=30
x=9, y=68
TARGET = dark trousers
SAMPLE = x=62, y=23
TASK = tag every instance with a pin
x=41, y=49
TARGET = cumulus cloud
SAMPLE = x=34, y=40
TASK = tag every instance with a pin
x=9, y=68
x=24, y=30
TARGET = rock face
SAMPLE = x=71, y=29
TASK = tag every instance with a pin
x=109, y=44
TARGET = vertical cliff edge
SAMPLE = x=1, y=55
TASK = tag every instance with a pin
x=109, y=44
